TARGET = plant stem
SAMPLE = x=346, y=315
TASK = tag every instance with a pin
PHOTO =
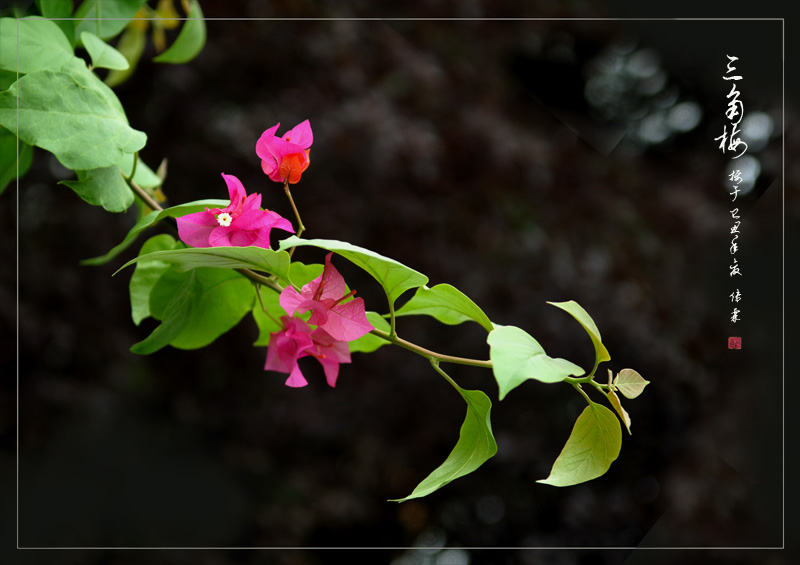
x=586, y=396
x=141, y=193
x=300, y=227
x=392, y=318
x=428, y=354
x=261, y=302
x=438, y=369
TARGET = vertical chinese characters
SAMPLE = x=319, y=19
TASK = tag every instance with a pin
x=732, y=142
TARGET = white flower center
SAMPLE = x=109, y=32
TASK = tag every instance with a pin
x=224, y=219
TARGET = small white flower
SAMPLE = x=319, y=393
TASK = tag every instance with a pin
x=224, y=219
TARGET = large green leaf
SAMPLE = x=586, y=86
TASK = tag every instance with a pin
x=175, y=318
x=190, y=40
x=149, y=220
x=103, y=187
x=447, y=304
x=8, y=158
x=577, y=312
x=103, y=55
x=106, y=18
x=517, y=357
x=592, y=446
x=256, y=258
x=42, y=45
x=475, y=446
x=223, y=298
x=146, y=275
x=393, y=276
x=370, y=342
x=70, y=116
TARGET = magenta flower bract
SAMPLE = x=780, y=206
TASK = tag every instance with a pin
x=284, y=159
x=240, y=224
x=297, y=340
x=324, y=296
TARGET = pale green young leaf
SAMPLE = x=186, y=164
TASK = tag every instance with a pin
x=103, y=55
x=577, y=312
x=176, y=317
x=393, y=276
x=369, y=342
x=630, y=383
x=66, y=115
x=103, y=187
x=516, y=357
x=623, y=414
x=151, y=219
x=190, y=40
x=255, y=258
x=592, y=446
x=447, y=304
x=476, y=445
x=42, y=45
x=145, y=276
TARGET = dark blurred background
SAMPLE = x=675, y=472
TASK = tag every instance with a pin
x=522, y=162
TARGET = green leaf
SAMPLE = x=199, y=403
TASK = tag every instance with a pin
x=517, y=357
x=8, y=158
x=369, y=342
x=447, y=304
x=190, y=40
x=267, y=325
x=623, y=414
x=42, y=45
x=70, y=116
x=131, y=44
x=102, y=54
x=7, y=78
x=301, y=274
x=394, y=277
x=146, y=275
x=152, y=218
x=475, y=446
x=103, y=187
x=177, y=316
x=630, y=383
x=224, y=297
x=592, y=446
x=577, y=312
x=256, y=258
x=55, y=8
x=106, y=18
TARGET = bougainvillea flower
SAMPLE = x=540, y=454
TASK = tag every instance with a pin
x=297, y=340
x=285, y=158
x=325, y=297
x=240, y=224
